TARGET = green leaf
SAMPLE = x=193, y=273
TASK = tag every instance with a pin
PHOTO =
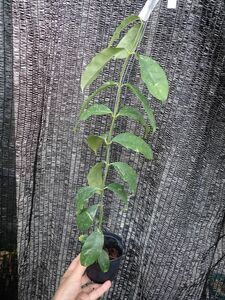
x=127, y=174
x=82, y=197
x=132, y=113
x=92, y=248
x=129, y=42
x=95, y=142
x=128, y=20
x=145, y=103
x=103, y=261
x=95, y=176
x=95, y=109
x=154, y=77
x=135, y=143
x=119, y=191
x=96, y=65
x=103, y=87
x=95, y=93
x=86, y=217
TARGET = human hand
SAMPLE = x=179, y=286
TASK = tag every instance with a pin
x=74, y=285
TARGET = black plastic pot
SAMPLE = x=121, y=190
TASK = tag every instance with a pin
x=95, y=273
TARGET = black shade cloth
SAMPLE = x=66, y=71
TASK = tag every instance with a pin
x=7, y=135
x=8, y=223
x=173, y=225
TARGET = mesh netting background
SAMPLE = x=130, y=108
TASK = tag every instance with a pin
x=8, y=223
x=173, y=228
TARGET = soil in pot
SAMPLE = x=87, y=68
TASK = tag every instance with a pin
x=115, y=248
x=112, y=252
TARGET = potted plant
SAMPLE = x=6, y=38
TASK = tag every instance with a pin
x=101, y=251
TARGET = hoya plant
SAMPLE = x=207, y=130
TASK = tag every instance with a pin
x=123, y=46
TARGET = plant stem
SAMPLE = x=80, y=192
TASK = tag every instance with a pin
x=109, y=137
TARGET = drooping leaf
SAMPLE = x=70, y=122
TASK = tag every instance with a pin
x=135, y=143
x=128, y=174
x=132, y=113
x=95, y=176
x=96, y=65
x=128, y=20
x=95, y=109
x=145, y=103
x=94, y=142
x=129, y=42
x=154, y=77
x=88, y=100
x=92, y=248
x=86, y=217
x=103, y=261
x=82, y=197
x=119, y=191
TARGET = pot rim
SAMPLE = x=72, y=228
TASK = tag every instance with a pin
x=117, y=238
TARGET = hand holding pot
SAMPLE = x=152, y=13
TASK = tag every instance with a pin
x=74, y=285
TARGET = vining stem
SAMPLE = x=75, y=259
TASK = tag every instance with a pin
x=109, y=137
x=114, y=117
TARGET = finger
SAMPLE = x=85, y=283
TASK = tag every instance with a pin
x=78, y=272
x=85, y=279
x=89, y=288
x=94, y=295
x=83, y=296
